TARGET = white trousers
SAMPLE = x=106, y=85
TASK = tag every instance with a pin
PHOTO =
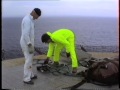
x=28, y=66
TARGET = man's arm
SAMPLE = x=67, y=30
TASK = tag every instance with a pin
x=49, y=53
x=50, y=50
x=26, y=31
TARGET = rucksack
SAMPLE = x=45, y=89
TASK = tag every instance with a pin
x=104, y=72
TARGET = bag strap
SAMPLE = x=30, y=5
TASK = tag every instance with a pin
x=97, y=83
x=76, y=85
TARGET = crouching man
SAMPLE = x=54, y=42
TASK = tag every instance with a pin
x=62, y=38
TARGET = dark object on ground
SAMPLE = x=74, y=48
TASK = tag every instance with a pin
x=68, y=54
x=53, y=68
x=104, y=73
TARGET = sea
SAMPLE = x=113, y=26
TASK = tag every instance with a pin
x=95, y=34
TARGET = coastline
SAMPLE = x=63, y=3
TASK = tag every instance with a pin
x=20, y=61
x=12, y=54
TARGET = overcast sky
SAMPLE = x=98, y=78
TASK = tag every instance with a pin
x=99, y=8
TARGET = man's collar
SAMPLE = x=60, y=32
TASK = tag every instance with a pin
x=31, y=17
x=50, y=34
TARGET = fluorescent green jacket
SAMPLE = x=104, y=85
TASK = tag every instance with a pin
x=62, y=38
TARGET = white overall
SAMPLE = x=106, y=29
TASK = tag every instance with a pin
x=27, y=37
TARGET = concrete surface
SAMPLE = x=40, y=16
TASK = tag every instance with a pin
x=12, y=76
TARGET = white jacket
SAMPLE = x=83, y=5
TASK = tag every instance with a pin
x=27, y=35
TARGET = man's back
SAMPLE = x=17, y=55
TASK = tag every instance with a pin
x=62, y=32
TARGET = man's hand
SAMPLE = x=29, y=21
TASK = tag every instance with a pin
x=30, y=48
x=74, y=71
x=67, y=54
x=46, y=60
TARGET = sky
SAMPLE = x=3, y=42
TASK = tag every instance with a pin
x=98, y=8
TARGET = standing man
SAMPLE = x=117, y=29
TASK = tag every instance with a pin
x=57, y=41
x=27, y=44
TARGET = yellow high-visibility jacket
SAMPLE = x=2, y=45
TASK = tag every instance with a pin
x=62, y=38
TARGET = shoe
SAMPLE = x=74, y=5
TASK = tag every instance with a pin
x=56, y=64
x=34, y=77
x=29, y=82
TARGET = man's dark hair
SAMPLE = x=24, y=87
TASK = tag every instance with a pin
x=38, y=11
x=45, y=37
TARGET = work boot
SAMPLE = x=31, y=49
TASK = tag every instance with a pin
x=56, y=64
x=34, y=77
x=29, y=82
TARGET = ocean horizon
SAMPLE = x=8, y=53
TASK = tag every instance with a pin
x=96, y=34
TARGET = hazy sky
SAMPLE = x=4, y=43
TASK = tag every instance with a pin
x=102, y=8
